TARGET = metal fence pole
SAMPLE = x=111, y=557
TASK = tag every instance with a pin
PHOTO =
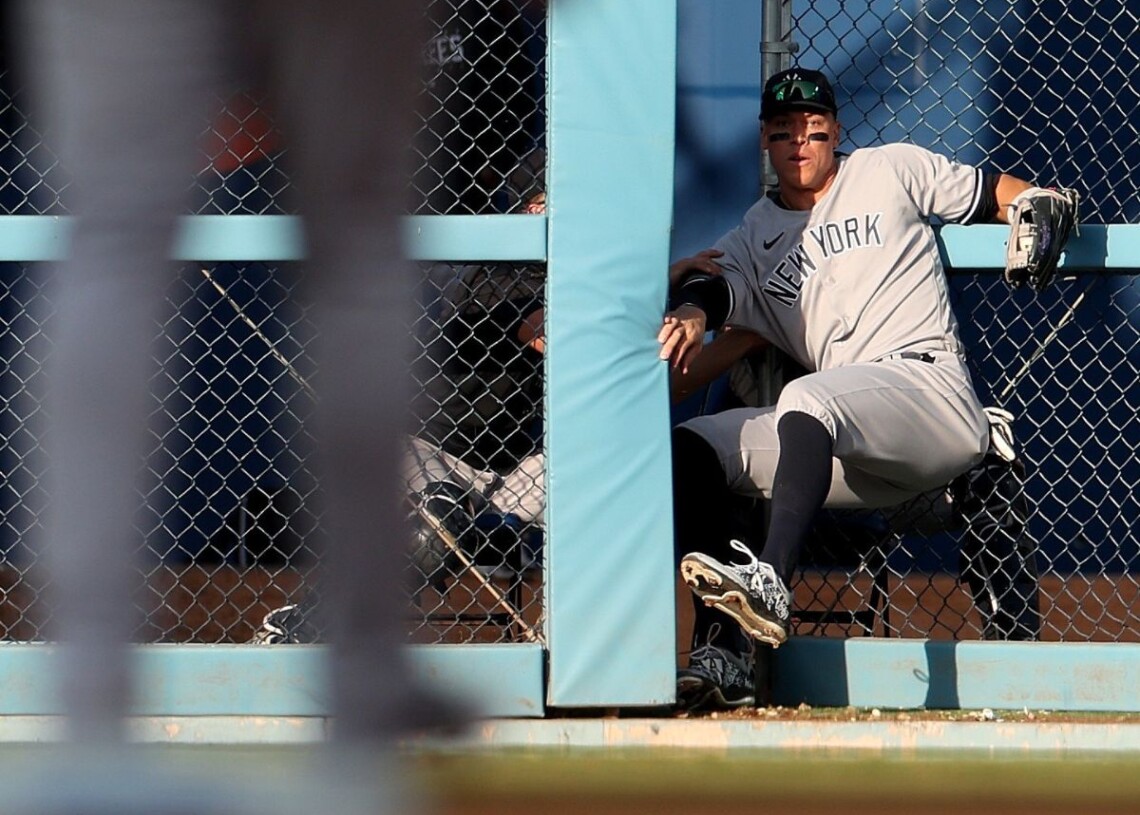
x=776, y=50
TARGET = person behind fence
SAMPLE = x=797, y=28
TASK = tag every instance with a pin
x=476, y=465
x=837, y=267
x=481, y=107
x=473, y=469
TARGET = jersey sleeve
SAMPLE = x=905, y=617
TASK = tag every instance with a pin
x=735, y=263
x=939, y=187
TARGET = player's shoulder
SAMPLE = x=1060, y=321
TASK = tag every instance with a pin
x=766, y=216
x=891, y=153
x=764, y=207
x=907, y=162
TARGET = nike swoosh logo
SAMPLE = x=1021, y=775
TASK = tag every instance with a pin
x=769, y=244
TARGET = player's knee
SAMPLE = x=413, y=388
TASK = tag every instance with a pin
x=802, y=397
x=695, y=462
x=796, y=393
x=969, y=452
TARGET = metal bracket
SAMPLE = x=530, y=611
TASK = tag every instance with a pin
x=777, y=47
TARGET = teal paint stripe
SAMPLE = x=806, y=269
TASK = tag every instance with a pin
x=231, y=679
x=958, y=675
x=284, y=680
x=497, y=680
x=609, y=585
x=1098, y=246
x=279, y=237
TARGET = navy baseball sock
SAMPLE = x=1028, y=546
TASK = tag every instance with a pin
x=803, y=477
x=702, y=509
x=702, y=502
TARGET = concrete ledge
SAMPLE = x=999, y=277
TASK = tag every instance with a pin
x=1023, y=737
x=649, y=733
x=182, y=729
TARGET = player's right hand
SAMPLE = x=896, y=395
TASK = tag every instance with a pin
x=681, y=336
x=700, y=262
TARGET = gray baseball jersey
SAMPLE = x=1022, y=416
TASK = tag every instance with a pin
x=845, y=289
x=859, y=276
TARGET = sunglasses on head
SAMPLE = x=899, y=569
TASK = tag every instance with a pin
x=797, y=90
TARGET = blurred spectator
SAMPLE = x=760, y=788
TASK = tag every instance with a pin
x=481, y=111
x=475, y=462
x=126, y=86
x=242, y=148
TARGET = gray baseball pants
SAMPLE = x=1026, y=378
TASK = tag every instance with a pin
x=900, y=428
x=521, y=492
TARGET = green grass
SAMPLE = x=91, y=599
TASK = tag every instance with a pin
x=652, y=779
x=1086, y=781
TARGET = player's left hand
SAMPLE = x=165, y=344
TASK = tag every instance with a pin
x=1040, y=221
x=682, y=335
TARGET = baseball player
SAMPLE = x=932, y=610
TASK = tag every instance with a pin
x=838, y=268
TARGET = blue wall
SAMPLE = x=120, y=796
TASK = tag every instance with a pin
x=718, y=99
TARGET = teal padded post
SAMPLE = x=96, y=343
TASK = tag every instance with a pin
x=610, y=578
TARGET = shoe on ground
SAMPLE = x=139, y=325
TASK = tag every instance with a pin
x=716, y=679
x=288, y=625
x=752, y=593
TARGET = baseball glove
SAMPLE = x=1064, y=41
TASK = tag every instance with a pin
x=1001, y=434
x=1040, y=221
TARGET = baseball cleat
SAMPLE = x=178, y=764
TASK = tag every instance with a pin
x=752, y=593
x=289, y=625
x=716, y=679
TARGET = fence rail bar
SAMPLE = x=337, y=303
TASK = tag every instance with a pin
x=280, y=238
x=512, y=237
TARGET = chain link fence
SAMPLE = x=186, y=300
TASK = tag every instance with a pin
x=1046, y=548
x=230, y=532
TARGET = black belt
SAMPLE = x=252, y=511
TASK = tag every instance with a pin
x=922, y=356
